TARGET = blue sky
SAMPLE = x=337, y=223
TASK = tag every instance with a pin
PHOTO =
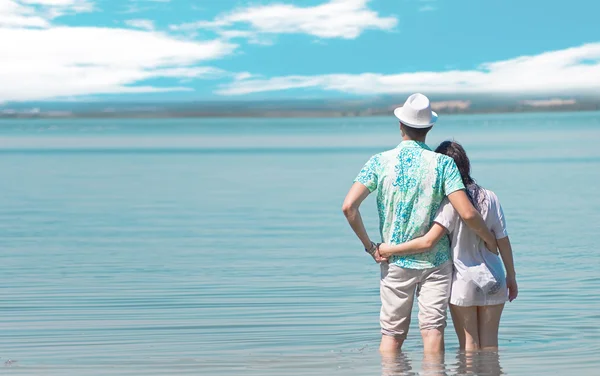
x=231, y=49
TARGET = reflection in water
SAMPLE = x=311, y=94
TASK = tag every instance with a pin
x=483, y=363
x=396, y=365
x=399, y=365
x=433, y=364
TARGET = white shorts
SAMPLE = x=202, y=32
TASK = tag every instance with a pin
x=466, y=293
x=397, y=290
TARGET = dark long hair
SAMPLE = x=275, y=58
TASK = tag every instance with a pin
x=455, y=151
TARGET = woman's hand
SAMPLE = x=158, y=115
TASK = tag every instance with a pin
x=513, y=289
x=385, y=250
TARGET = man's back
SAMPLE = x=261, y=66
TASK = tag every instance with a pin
x=412, y=182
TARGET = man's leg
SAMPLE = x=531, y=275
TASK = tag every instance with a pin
x=433, y=298
x=391, y=344
x=397, y=290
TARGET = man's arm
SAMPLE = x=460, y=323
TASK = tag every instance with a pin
x=473, y=219
x=357, y=194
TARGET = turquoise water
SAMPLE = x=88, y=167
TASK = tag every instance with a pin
x=205, y=247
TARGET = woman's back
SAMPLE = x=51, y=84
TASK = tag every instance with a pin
x=479, y=277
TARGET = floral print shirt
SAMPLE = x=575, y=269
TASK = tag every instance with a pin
x=411, y=182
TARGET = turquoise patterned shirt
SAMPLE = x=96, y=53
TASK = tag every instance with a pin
x=412, y=182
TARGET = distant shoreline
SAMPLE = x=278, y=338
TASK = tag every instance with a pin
x=289, y=109
x=266, y=115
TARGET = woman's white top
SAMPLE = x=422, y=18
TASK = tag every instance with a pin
x=479, y=277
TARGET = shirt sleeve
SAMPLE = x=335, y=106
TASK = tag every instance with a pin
x=446, y=215
x=498, y=223
x=368, y=176
x=452, y=180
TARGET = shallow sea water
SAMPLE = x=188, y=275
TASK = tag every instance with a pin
x=217, y=246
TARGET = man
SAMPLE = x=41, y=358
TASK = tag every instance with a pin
x=412, y=181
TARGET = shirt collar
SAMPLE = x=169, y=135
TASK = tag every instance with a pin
x=413, y=144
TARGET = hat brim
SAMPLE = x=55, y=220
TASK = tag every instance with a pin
x=399, y=114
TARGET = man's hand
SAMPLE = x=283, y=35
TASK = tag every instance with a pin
x=374, y=252
x=513, y=289
x=492, y=247
x=379, y=258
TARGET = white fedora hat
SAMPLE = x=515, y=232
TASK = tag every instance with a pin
x=416, y=112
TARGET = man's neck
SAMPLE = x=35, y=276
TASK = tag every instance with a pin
x=406, y=138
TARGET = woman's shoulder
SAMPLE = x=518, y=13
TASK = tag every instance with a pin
x=491, y=195
x=492, y=201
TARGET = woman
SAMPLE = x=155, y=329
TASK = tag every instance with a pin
x=479, y=286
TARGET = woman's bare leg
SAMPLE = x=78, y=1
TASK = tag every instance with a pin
x=465, y=324
x=489, y=321
x=458, y=327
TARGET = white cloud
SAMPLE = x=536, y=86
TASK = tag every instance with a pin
x=71, y=61
x=345, y=19
x=140, y=24
x=243, y=76
x=191, y=72
x=38, y=13
x=56, y=3
x=427, y=8
x=42, y=60
x=18, y=20
x=65, y=5
x=575, y=68
x=138, y=6
x=13, y=14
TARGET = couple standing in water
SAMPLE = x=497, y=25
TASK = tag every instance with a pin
x=440, y=236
